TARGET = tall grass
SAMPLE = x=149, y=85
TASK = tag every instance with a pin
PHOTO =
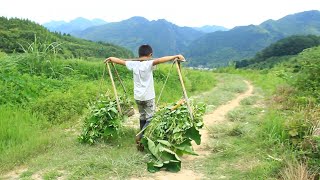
x=296, y=171
x=21, y=135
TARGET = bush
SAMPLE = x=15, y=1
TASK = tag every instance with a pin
x=308, y=78
x=59, y=107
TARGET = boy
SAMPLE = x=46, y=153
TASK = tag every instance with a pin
x=144, y=93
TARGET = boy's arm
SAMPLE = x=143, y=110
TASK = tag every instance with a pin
x=167, y=58
x=115, y=60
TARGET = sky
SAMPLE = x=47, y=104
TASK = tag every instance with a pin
x=193, y=13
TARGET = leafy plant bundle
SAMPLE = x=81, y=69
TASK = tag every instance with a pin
x=169, y=136
x=103, y=120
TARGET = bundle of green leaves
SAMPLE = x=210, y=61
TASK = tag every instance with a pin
x=103, y=120
x=169, y=136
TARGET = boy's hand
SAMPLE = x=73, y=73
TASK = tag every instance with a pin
x=109, y=59
x=115, y=60
x=180, y=58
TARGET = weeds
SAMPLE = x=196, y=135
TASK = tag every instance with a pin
x=296, y=170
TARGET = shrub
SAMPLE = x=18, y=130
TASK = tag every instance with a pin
x=59, y=107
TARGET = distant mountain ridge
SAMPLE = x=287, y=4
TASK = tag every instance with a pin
x=210, y=29
x=216, y=48
x=77, y=24
x=165, y=37
x=219, y=48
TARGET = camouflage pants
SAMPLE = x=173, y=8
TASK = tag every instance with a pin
x=146, y=110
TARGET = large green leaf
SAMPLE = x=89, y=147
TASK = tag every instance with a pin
x=150, y=145
x=185, y=148
x=173, y=166
x=194, y=134
x=167, y=154
x=152, y=167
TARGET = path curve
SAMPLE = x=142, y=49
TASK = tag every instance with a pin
x=215, y=117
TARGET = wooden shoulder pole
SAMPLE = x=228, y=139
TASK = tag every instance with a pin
x=184, y=90
x=114, y=89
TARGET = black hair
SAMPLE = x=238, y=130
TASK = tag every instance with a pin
x=145, y=50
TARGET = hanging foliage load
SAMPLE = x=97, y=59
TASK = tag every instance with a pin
x=103, y=120
x=170, y=133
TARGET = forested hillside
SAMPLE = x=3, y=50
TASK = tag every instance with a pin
x=219, y=48
x=280, y=51
x=17, y=35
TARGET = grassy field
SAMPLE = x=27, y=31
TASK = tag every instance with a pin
x=44, y=103
x=66, y=157
x=43, y=99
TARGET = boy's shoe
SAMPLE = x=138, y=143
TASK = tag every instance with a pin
x=140, y=146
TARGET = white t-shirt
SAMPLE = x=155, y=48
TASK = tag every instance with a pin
x=142, y=79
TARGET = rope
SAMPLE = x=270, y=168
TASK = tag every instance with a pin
x=101, y=81
x=119, y=78
x=165, y=83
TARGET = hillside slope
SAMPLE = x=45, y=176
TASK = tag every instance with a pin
x=165, y=38
x=219, y=48
x=17, y=34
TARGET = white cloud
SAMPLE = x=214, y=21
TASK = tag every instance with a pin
x=227, y=13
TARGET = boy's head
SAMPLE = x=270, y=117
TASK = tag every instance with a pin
x=145, y=50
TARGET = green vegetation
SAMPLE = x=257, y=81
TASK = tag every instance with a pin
x=169, y=135
x=45, y=99
x=290, y=123
x=280, y=51
x=17, y=35
x=104, y=121
x=219, y=48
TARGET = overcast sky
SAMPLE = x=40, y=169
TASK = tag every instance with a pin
x=227, y=13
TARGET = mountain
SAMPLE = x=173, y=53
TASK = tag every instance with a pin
x=77, y=24
x=221, y=47
x=279, y=51
x=17, y=35
x=53, y=24
x=210, y=29
x=165, y=37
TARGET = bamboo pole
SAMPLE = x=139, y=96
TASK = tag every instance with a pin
x=184, y=89
x=114, y=89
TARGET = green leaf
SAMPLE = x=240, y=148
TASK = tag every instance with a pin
x=164, y=142
x=185, y=148
x=167, y=154
x=194, y=134
x=152, y=168
x=113, y=109
x=154, y=150
x=173, y=166
x=293, y=132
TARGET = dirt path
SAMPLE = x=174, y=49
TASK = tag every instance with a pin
x=215, y=117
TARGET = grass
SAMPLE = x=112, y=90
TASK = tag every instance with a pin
x=238, y=148
x=227, y=87
x=254, y=142
x=69, y=158
x=21, y=136
x=40, y=121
